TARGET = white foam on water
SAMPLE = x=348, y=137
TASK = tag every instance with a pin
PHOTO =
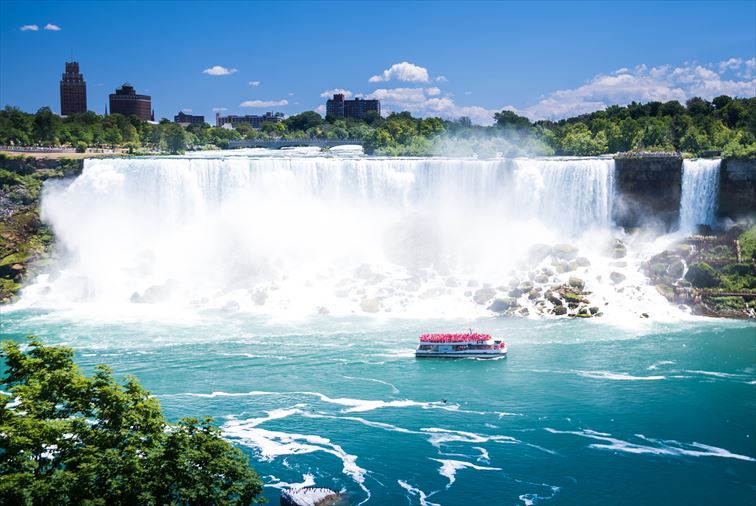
x=660, y=363
x=449, y=468
x=308, y=480
x=617, y=376
x=373, y=380
x=484, y=457
x=667, y=448
x=272, y=444
x=422, y=497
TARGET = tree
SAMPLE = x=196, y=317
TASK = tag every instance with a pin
x=46, y=127
x=512, y=120
x=175, y=137
x=303, y=121
x=71, y=439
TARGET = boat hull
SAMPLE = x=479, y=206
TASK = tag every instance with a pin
x=458, y=355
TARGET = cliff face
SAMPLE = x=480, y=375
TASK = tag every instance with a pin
x=648, y=191
x=24, y=240
x=737, y=188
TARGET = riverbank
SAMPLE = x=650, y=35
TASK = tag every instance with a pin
x=26, y=244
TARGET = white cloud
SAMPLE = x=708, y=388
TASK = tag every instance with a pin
x=217, y=70
x=643, y=84
x=187, y=110
x=219, y=109
x=422, y=102
x=291, y=93
x=404, y=71
x=441, y=79
x=263, y=103
x=29, y=28
x=254, y=83
x=53, y=28
x=321, y=109
x=336, y=91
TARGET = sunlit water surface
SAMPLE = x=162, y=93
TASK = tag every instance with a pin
x=581, y=412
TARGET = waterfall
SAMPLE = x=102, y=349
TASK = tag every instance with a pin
x=700, y=194
x=196, y=229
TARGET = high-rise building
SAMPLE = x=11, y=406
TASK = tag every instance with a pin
x=185, y=120
x=73, y=90
x=125, y=101
x=253, y=120
x=357, y=108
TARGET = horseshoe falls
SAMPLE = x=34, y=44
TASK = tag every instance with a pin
x=283, y=293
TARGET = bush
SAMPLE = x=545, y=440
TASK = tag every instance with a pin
x=71, y=439
x=81, y=147
x=747, y=242
x=702, y=275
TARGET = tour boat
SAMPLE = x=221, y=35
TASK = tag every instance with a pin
x=460, y=345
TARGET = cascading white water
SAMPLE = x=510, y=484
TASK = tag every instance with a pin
x=700, y=194
x=297, y=234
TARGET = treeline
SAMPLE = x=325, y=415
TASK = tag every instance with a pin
x=725, y=125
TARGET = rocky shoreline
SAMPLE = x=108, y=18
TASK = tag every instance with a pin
x=713, y=274
x=25, y=242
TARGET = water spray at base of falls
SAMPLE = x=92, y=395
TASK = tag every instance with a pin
x=295, y=235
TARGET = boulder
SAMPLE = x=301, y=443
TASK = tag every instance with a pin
x=502, y=304
x=560, y=310
x=260, y=296
x=516, y=292
x=541, y=278
x=483, y=295
x=619, y=251
x=525, y=286
x=564, y=251
x=617, y=277
x=676, y=269
x=582, y=261
x=576, y=282
x=538, y=252
x=594, y=310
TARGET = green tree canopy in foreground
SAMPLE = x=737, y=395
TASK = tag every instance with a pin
x=66, y=438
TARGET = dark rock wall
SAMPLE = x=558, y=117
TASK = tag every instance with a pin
x=737, y=188
x=647, y=192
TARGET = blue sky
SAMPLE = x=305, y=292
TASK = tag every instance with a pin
x=542, y=59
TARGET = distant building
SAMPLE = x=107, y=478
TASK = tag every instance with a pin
x=187, y=119
x=337, y=107
x=125, y=101
x=73, y=90
x=252, y=120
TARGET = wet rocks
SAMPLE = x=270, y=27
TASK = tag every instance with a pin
x=503, y=304
x=576, y=282
x=617, y=277
x=564, y=251
x=483, y=295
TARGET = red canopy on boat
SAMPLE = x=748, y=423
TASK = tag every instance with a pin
x=453, y=338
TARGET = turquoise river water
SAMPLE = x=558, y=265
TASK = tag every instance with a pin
x=579, y=413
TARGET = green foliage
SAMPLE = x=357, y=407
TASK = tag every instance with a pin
x=747, y=242
x=702, y=275
x=725, y=124
x=728, y=303
x=175, y=138
x=67, y=438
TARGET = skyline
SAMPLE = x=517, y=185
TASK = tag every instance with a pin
x=447, y=60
